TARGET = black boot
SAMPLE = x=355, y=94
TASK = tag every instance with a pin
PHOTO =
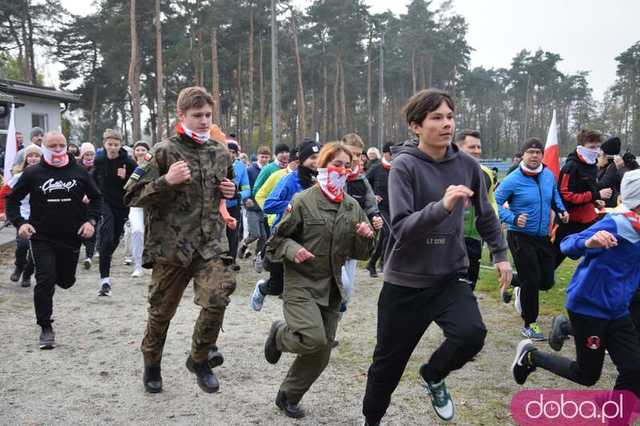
x=15, y=275
x=207, y=381
x=215, y=357
x=290, y=409
x=152, y=379
x=271, y=352
x=372, y=271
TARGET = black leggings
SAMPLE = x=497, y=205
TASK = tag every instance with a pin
x=404, y=314
x=534, y=260
x=24, y=259
x=111, y=230
x=275, y=284
x=592, y=336
x=56, y=262
x=234, y=235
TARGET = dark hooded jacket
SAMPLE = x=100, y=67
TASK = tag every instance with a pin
x=105, y=173
x=427, y=241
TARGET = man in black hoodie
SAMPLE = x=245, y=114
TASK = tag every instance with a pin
x=59, y=220
x=111, y=172
x=429, y=186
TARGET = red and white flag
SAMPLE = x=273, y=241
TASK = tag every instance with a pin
x=551, y=157
x=11, y=148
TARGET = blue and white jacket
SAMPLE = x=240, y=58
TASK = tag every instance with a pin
x=606, y=280
x=277, y=202
x=241, y=179
x=533, y=195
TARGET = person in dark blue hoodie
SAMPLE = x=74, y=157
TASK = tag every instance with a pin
x=598, y=299
x=425, y=261
x=532, y=194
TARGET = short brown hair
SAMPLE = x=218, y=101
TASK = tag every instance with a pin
x=463, y=135
x=112, y=134
x=330, y=150
x=352, y=139
x=193, y=97
x=588, y=135
x=424, y=102
x=263, y=150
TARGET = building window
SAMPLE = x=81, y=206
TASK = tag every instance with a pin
x=40, y=120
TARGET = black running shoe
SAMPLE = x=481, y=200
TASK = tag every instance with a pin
x=47, y=338
x=560, y=330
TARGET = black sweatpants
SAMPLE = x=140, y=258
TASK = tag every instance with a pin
x=90, y=246
x=404, y=314
x=534, y=260
x=592, y=336
x=55, y=262
x=275, y=284
x=234, y=235
x=111, y=231
x=378, y=254
x=565, y=229
x=24, y=259
x=474, y=253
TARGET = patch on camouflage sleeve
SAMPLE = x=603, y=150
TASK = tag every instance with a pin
x=289, y=208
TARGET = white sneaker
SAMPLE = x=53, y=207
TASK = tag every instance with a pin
x=516, y=301
x=137, y=273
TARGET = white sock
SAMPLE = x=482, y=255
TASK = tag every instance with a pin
x=106, y=280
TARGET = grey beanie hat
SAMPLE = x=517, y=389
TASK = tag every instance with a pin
x=36, y=131
x=630, y=189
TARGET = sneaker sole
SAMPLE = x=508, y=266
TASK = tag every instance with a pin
x=424, y=384
x=47, y=346
x=533, y=339
x=519, y=350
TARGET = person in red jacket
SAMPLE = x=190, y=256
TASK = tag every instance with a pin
x=579, y=188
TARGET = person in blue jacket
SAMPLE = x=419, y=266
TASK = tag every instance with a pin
x=234, y=206
x=532, y=194
x=277, y=203
x=598, y=299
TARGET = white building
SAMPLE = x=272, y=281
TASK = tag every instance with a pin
x=35, y=107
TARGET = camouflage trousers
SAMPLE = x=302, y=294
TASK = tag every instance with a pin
x=213, y=283
x=309, y=331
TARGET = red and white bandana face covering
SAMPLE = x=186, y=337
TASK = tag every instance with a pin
x=354, y=173
x=197, y=137
x=54, y=158
x=634, y=219
x=332, y=181
x=87, y=162
x=589, y=156
x=386, y=164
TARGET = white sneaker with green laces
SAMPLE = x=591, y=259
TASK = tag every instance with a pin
x=440, y=398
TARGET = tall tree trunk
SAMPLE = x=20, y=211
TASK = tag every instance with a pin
x=300, y=95
x=336, y=101
x=134, y=75
x=423, y=73
x=369, y=93
x=92, y=113
x=201, y=58
x=250, y=80
x=159, y=73
x=215, y=76
x=33, y=76
x=239, y=100
x=413, y=71
x=325, y=94
x=343, y=100
x=261, y=94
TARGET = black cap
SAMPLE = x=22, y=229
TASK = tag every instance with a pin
x=611, y=146
x=232, y=146
x=307, y=149
x=293, y=154
x=534, y=143
x=282, y=147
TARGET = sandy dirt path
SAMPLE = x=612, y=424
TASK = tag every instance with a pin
x=94, y=376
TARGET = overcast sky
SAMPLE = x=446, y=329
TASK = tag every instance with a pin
x=587, y=34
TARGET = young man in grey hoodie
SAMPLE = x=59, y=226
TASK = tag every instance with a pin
x=429, y=186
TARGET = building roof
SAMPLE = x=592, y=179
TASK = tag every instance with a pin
x=11, y=87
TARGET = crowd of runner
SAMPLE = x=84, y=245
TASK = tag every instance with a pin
x=420, y=213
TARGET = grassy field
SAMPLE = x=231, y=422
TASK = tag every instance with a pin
x=551, y=302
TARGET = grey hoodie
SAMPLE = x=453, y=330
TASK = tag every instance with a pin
x=427, y=242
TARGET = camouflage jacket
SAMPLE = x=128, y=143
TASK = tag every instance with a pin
x=326, y=229
x=181, y=220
